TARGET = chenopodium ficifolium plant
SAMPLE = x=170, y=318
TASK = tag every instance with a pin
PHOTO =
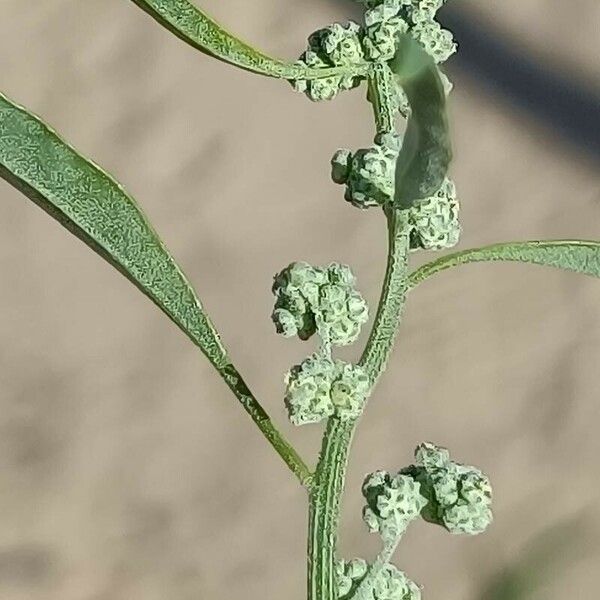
x=397, y=51
x=314, y=300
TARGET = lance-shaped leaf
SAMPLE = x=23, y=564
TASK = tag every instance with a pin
x=93, y=206
x=197, y=29
x=426, y=150
x=571, y=255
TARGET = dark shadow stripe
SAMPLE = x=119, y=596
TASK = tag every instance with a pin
x=562, y=104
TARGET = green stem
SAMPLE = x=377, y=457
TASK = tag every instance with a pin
x=393, y=296
x=324, y=508
x=365, y=589
x=382, y=94
x=328, y=485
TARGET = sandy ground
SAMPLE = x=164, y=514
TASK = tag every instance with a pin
x=127, y=472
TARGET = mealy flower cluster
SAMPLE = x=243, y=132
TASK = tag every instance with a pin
x=459, y=497
x=333, y=46
x=319, y=300
x=368, y=175
x=442, y=491
x=320, y=387
x=385, y=19
x=324, y=300
x=351, y=45
x=390, y=583
x=393, y=501
x=434, y=221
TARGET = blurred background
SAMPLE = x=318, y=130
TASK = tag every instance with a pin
x=127, y=471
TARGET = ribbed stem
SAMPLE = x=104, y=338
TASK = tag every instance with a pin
x=324, y=511
x=328, y=484
x=365, y=589
x=383, y=94
x=393, y=296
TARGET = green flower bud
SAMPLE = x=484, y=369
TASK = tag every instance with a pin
x=434, y=220
x=349, y=390
x=425, y=10
x=340, y=166
x=392, y=503
x=342, y=313
x=340, y=274
x=286, y=323
x=431, y=457
x=296, y=290
x=348, y=575
x=338, y=44
x=308, y=393
x=382, y=38
x=393, y=584
x=381, y=12
x=467, y=518
x=369, y=173
x=318, y=387
x=384, y=22
x=459, y=496
x=438, y=42
x=333, y=46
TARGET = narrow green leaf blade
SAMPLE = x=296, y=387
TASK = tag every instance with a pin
x=200, y=31
x=580, y=256
x=426, y=149
x=97, y=209
x=94, y=207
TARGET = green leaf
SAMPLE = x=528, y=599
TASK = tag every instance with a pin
x=197, y=29
x=572, y=255
x=426, y=150
x=94, y=207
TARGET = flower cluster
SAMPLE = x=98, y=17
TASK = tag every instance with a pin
x=434, y=221
x=369, y=178
x=333, y=46
x=348, y=46
x=386, y=19
x=392, y=503
x=389, y=584
x=368, y=173
x=311, y=299
x=383, y=23
x=320, y=387
x=459, y=497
